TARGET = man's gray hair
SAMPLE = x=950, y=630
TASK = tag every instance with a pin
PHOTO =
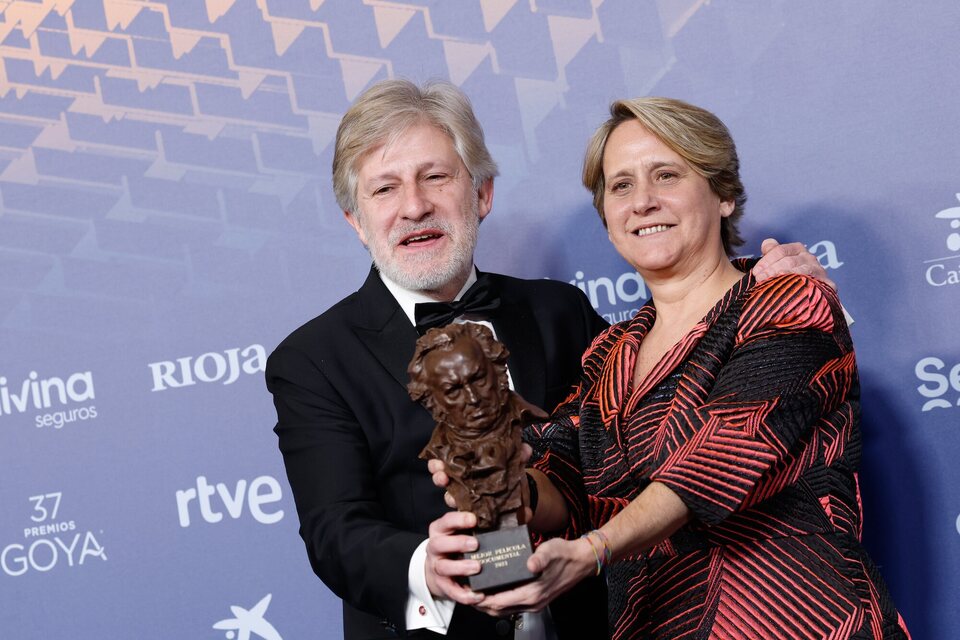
x=386, y=110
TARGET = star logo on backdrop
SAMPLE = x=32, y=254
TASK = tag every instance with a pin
x=246, y=622
x=944, y=271
x=953, y=215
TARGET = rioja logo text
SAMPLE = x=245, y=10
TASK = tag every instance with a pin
x=213, y=366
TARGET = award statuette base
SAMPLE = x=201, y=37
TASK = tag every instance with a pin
x=503, y=555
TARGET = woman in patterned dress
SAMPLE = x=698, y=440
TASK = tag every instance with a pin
x=709, y=456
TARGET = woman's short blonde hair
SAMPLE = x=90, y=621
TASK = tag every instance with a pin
x=389, y=108
x=697, y=135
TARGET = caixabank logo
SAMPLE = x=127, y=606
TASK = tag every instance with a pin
x=945, y=271
x=247, y=624
x=50, y=541
x=618, y=298
x=52, y=401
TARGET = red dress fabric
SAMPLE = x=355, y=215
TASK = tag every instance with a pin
x=753, y=420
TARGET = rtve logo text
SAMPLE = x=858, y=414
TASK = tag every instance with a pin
x=34, y=393
x=941, y=272
x=630, y=288
x=210, y=501
x=213, y=366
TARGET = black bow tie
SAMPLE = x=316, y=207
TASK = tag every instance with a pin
x=480, y=298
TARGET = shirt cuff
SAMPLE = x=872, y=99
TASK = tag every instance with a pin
x=423, y=611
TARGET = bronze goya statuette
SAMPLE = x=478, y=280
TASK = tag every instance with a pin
x=459, y=373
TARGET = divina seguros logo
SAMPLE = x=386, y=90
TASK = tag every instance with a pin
x=944, y=271
x=618, y=298
x=212, y=366
x=34, y=393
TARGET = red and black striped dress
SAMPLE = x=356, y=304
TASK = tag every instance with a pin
x=753, y=420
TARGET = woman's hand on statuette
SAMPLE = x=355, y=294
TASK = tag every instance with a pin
x=559, y=564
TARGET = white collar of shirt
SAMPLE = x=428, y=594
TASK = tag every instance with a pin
x=408, y=299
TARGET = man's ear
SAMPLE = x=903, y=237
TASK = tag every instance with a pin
x=354, y=222
x=485, y=197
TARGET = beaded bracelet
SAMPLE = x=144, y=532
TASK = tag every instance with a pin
x=595, y=554
x=604, y=556
x=607, y=552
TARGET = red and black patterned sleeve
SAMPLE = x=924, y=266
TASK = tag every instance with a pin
x=556, y=444
x=790, y=379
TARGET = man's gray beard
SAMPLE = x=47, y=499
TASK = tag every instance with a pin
x=411, y=275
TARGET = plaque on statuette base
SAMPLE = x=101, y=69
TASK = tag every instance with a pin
x=503, y=555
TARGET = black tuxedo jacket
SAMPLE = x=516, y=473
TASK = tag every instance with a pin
x=350, y=436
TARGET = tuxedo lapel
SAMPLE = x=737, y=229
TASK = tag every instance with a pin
x=517, y=328
x=384, y=328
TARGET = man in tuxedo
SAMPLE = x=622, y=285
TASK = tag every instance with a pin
x=414, y=178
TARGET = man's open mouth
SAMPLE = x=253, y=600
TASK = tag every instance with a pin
x=420, y=237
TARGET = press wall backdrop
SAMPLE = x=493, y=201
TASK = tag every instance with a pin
x=167, y=217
